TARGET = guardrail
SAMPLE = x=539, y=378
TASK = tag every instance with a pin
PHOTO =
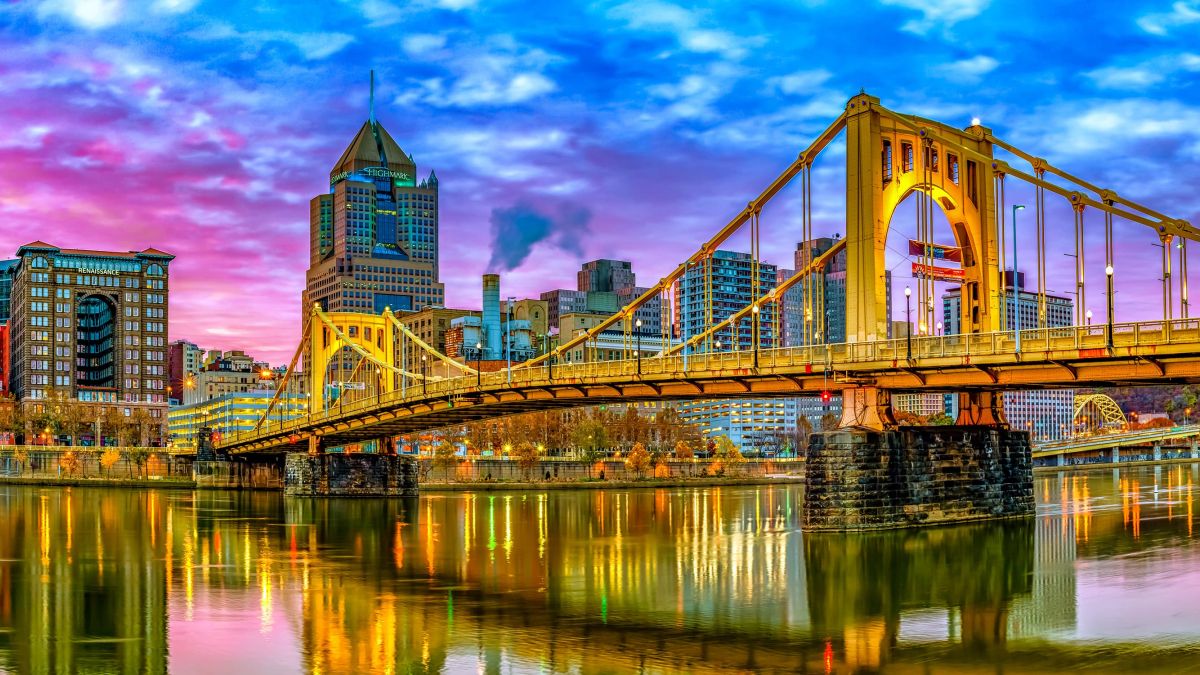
x=823, y=357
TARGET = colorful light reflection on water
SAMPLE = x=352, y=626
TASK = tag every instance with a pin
x=1107, y=576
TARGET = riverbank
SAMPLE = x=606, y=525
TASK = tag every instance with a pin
x=494, y=486
x=98, y=481
x=1114, y=465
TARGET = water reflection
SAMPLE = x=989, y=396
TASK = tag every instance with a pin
x=657, y=580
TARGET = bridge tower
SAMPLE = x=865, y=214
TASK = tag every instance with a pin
x=889, y=157
x=371, y=336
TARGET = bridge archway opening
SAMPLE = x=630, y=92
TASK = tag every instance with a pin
x=350, y=377
x=944, y=226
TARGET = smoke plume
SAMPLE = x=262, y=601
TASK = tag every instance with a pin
x=518, y=228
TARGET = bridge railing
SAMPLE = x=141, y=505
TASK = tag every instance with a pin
x=887, y=353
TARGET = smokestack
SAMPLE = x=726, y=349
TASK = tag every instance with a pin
x=491, y=315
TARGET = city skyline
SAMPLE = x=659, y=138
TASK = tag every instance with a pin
x=162, y=124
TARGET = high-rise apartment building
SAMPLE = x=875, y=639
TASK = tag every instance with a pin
x=1047, y=414
x=611, y=276
x=183, y=359
x=90, y=326
x=752, y=424
x=729, y=285
x=374, y=234
x=826, y=298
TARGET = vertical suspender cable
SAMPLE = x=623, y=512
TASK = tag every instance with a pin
x=1001, y=217
x=1183, y=279
x=1168, y=305
x=1080, y=298
x=1040, y=220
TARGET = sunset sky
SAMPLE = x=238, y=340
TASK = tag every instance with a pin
x=628, y=130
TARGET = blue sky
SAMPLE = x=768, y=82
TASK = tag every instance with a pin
x=204, y=128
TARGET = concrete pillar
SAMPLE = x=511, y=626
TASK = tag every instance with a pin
x=350, y=475
x=1060, y=459
x=1157, y=452
x=860, y=479
x=1116, y=455
x=1195, y=451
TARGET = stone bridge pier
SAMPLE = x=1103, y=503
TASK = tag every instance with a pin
x=318, y=473
x=872, y=474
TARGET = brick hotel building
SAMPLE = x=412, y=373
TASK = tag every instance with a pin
x=90, y=326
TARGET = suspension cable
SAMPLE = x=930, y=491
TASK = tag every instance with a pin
x=426, y=347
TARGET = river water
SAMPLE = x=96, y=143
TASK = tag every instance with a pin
x=1105, y=578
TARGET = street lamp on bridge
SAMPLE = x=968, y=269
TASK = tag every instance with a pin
x=638, y=326
x=1108, y=275
x=1088, y=314
x=1016, y=288
x=478, y=365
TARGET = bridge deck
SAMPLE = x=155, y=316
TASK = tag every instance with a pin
x=1157, y=352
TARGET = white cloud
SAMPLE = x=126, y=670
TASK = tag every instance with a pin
x=934, y=13
x=967, y=71
x=499, y=72
x=174, y=6
x=1145, y=74
x=418, y=44
x=1091, y=127
x=91, y=14
x=380, y=12
x=314, y=46
x=685, y=25
x=694, y=95
x=799, y=82
x=1182, y=13
x=794, y=126
x=386, y=13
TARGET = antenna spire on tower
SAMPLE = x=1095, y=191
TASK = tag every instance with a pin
x=372, y=97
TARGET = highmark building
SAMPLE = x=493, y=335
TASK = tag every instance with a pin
x=374, y=234
x=90, y=326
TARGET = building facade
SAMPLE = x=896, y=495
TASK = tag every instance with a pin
x=1047, y=414
x=90, y=326
x=184, y=359
x=374, y=234
x=230, y=413
x=825, y=320
x=755, y=425
x=729, y=282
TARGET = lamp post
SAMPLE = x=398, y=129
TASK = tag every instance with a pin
x=478, y=364
x=1016, y=289
x=638, y=326
x=754, y=333
x=508, y=317
x=1108, y=276
x=908, y=319
x=1088, y=314
x=424, y=376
